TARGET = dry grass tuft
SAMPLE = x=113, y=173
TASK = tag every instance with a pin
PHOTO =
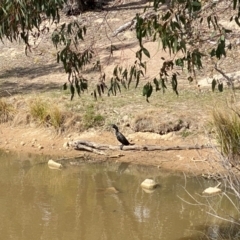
x=39, y=110
x=21, y=118
x=47, y=113
x=72, y=122
x=227, y=125
x=56, y=117
x=6, y=111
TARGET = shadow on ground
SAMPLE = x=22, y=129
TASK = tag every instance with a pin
x=18, y=80
x=13, y=88
x=30, y=71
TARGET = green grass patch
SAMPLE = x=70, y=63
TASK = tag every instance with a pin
x=91, y=118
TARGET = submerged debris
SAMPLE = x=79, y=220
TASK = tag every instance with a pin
x=54, y=165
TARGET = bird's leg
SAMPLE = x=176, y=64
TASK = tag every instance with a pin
x=121, y=147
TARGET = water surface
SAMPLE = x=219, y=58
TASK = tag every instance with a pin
x=75, y=203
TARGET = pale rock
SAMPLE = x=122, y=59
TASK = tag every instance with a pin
x=212, y=191
x=149, y=184
x=54, y=165
x=66, y=145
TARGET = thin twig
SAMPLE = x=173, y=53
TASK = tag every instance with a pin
x=225, y=219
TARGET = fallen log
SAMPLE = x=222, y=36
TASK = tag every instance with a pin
x=96, y=148
x=89, y=149
x=132, y=23
x=124, y=27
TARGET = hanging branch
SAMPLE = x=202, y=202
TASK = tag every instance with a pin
x=229, y=79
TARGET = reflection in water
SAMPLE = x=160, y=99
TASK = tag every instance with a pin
x=141, y=213
x=93, y=201
x=220, y=231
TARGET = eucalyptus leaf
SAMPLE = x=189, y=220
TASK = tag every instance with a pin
x=220, y=87
x=72, y=90
x=214, y=83
x=156, y=82
x=95, y=94
x=99, y=90
x=65, y=86
x=146, y=52
x=145, y=89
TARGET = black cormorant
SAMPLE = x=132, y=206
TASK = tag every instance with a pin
x=120, y=137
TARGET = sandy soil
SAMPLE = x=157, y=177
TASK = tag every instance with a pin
x=40, y=141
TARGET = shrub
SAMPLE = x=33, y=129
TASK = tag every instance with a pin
x=227, y=125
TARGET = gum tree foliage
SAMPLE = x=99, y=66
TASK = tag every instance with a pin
x=185, y=31
x=182, y=30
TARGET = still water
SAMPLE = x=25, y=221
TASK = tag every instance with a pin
x=75, y=203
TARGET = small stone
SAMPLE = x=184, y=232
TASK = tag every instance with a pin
x=22, y=143
x=149, y=184
x=212, y=191
x=40, y=147
x=54, y=165
x=66, y=145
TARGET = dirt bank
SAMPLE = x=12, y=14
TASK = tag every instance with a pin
x=41, y=141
